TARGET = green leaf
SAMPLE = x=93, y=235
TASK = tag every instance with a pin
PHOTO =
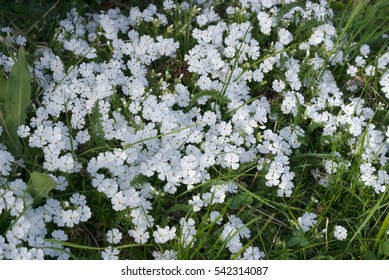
x=16, y=99
x=245, y=199
x=369, y=255
x=293, y=241
x=40, y=185
x=304, y=242
x=385, y=247
x=234, y=202
x=95, y=119
x=3, y=83
x=298, y=238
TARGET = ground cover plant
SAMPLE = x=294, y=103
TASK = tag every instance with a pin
x=251, y=129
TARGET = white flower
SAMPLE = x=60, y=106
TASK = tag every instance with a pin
x=307, y=221
x=265, y=22
x=231, y=10
x=163, y=235
x=340, y=232
x=215, y=216
x=167, y=255
x=59, y=235
x=278, y=85
x=70, y=217
x=114, y=236
x=140, y=235
x=231, y=160
x=6, y=161
x=252, y=253
x=110, y=253
x=224, y=128
x=82, y=136
x=367, y=170
x=66, y=163
x=316, y=38
x=168, y=4
x=285, y=36
x=209, y=118
x=84, y=212
x=204, y=83
x=21, y=228
x=188, y=231
x=258, y=75
x=384, y=83
x=352, y=70
x=196, y=202
x=360, y=61
x=20, y=40
x=52, y=206
x=365, y=50
x=141, y=219
x=289, y=104
x=23, y=131
x=78, y=199
x=37, y=254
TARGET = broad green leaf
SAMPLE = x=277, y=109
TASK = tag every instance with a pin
x=245, y=199
x=40, y=185
x=369, y=255
x=3, y=83
x=238, y=200
x=293, y=241
x=233, y=202
x=304, y=242
x=16, y=99
x=298, y=238
x=385, y=247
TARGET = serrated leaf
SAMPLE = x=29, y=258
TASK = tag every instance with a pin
x=40, y=185
x=95, y=119
x=385, y=247
x=214, y=94
x=16, y=99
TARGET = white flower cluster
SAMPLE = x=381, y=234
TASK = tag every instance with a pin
x=141, y=134
x=188, y=231
x=307, y=221
x=26, y=238
x=354, y=118
x=232, y=232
